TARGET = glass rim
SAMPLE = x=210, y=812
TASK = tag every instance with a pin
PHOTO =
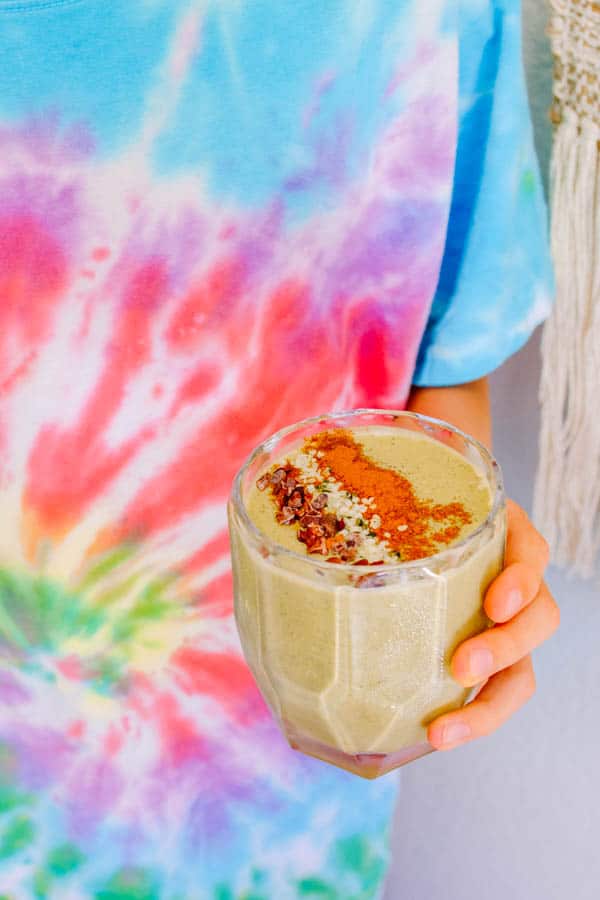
x=383, y=568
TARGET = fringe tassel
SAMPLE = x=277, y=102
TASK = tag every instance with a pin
x=567, y=491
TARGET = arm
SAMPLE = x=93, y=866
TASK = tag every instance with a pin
x=518, y=601
x=465, y=405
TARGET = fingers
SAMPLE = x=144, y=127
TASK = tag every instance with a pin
x=501, y=697
x=515, y=587
x=525, y=561
x=527, y=615
x=524, y=543
x=502, y=646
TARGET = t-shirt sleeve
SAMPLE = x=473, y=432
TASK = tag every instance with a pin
x=495, y=283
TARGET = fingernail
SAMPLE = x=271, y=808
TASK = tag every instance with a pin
x=455, y=732
x=481, y=663
x=513, y=603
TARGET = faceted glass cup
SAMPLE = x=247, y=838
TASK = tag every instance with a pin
x=354, y=662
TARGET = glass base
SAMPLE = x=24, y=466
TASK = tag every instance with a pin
x=367, y=765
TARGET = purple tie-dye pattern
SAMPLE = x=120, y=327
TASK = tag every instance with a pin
x=151, y=334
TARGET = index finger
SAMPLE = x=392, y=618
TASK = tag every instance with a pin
x=524, y=543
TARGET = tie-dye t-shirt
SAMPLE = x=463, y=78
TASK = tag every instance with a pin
x=217, y=217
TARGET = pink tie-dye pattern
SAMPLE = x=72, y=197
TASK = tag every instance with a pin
x=146, y=345
x=257, y=309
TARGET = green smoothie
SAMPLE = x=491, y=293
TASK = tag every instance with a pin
x=378, y=548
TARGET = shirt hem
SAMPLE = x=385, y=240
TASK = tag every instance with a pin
x=434, y=374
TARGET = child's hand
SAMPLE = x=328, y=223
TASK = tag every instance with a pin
x=527, y=615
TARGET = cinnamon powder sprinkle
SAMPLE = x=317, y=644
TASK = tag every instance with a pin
x=405, y=523
x=382, y=514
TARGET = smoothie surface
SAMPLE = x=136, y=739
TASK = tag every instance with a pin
x=369, y=496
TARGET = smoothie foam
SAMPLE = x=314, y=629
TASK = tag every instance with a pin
x=352, y=655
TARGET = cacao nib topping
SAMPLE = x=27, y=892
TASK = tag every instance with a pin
x=331, y=524
x=310, y=519
x=287, y=515
x=318, y=529
x=296, y=498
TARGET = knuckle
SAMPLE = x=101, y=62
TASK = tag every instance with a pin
x=529, y=685
x=544, y=549
x=509, y=649
x=516, y=513
x=527, y=579
x=487, y=721
x=553, y=615
x=513, y=507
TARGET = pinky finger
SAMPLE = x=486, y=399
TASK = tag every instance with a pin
x=501, y=696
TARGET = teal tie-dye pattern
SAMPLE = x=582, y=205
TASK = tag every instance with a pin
x=217, y=217
x=496, y=279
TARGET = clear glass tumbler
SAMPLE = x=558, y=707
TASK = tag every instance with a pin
x=354, y=662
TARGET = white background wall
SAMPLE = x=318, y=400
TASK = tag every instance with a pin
x=516, y=816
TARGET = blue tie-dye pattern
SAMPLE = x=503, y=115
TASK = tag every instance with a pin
x=496, y=278
x=72, y=39
x=238, y=122
x=247, y=110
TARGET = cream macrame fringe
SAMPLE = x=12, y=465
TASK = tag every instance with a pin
x=567, y=493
